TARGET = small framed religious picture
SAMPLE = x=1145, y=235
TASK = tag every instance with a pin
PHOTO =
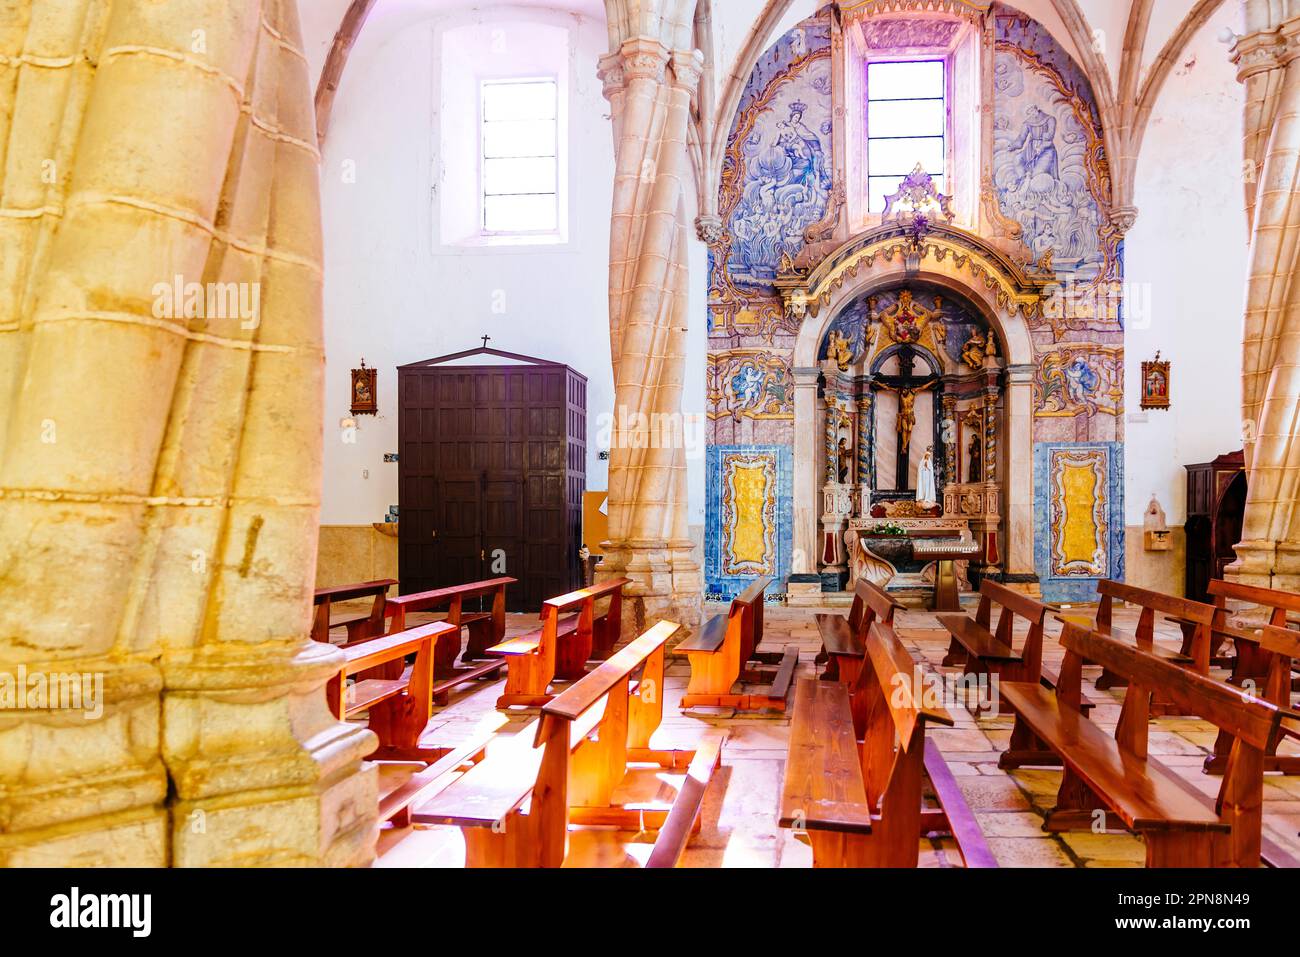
x=364, y=398
x=1155, y=384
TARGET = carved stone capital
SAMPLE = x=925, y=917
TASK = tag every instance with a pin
x=644, y=59
x=710, y=229
x=1123, y=218
x=609, y=70
x=688, y=67
x=1258, y=53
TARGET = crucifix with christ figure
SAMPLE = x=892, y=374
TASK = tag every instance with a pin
x=908, y=385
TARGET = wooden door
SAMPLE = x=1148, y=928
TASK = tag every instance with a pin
x=488, y=477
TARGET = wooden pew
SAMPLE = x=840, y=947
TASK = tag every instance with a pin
x=724, y=652
x=1264, y=658
x=1181, y=827
x=515, y=807
x=398, y=708
x=360, y=626
x=484, y=629
x=861, y=805
x=562, y=646
x=1187, y=614
x=984, y=652
x=844, y=639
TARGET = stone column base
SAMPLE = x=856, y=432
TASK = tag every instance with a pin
x=666, y=585
x=1254, y=564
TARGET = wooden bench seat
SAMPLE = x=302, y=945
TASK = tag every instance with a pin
x=708, y=638
x=528, y=644
x=1193, y=617
x=360, y=625
x=844, y=639
x=515, y=806
x=481, y=628
x=725, y=653
x=1144, y=794
x=823, y=789
x=1117, y=776
x=395, y=802
x=1267, y=650
x=858, y=756
x=397, y=709
x=560, y=649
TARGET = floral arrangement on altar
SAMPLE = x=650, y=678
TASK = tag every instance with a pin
x=889, y=530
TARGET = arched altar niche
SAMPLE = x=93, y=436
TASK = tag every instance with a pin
x=910, y=407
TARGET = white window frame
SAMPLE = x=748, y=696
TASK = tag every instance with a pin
x=499, y=234
x=965, y=59
x=947, y=136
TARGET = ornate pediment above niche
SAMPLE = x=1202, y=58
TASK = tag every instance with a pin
x=896, y=249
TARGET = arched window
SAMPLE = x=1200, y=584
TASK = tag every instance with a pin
x=907, y=124
x=912, y=97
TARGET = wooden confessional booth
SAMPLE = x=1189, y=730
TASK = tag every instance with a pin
x=492, y=465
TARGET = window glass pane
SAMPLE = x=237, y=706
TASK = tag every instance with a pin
x=518, y=176
x=906, y=118
x=519, y=101
x=899, y=157
x=879, y=187
x=905, y=81
x=518, y=214
x=519, y=138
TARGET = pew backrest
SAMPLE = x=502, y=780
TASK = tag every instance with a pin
x=359, y=627
x=871, y=603
x=895, y=671
x=1154, y=602
x=1245, y=717
x=1280, y=602
x=453, y=596
x=746, y=615
x=368, y=589
x=612, y=589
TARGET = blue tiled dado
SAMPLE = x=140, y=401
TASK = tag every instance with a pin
x=1059, y=587
x=723, y=587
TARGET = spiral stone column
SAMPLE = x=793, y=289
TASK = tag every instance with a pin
x=650, y=80
x=160, y=443
x=1266, y=58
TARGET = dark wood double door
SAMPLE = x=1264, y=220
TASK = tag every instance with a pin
x=488, y=485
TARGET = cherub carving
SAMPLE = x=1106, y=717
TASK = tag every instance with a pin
x=840, y=350
x=973, y=352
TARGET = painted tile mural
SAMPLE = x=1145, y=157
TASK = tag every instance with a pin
x=780, y=153
x=776, y=181
x=1079, y=517
x=1050, y=170
x=1079, y=379
x=748, y=518
x=750, y=383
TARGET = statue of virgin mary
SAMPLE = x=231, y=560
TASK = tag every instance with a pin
x=926, y=494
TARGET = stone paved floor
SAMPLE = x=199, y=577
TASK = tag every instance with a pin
x=739, y=816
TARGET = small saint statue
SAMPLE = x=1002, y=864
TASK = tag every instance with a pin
x=845, y=461
x=926, y=493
